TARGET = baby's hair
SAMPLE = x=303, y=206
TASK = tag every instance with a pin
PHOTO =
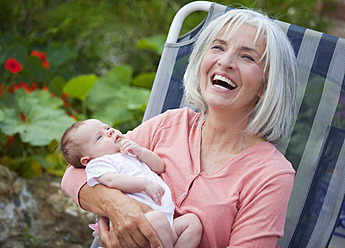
x=70, y=147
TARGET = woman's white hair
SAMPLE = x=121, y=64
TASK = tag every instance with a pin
x=274, y=113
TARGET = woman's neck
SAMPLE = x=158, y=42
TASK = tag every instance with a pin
x=222, y=138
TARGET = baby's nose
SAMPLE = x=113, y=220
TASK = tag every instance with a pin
x=111, y=131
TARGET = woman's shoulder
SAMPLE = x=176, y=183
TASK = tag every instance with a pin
x=176, y=117
x=267, y=155
x=180, y=112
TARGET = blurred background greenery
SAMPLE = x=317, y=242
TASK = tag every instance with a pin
x=78, y=59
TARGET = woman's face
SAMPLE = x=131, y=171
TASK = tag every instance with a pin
x=231, y=73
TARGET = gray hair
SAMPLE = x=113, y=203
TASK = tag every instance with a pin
x=274, y=113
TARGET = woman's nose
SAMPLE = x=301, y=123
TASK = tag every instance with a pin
x=227, y=61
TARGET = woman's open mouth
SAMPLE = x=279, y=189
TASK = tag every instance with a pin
x=223, y=83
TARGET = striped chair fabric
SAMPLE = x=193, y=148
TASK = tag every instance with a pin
x=316, y=144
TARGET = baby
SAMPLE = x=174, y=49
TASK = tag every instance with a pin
x=112, y=160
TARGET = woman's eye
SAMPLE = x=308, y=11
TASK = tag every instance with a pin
x=218, y=48
x=108, y=128
x=248, y=57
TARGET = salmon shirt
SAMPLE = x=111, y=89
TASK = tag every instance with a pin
x=243, y=204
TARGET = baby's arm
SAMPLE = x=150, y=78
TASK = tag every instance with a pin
x=145, y=155
x=131, y=184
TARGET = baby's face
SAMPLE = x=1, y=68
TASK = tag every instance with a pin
x=98, y=139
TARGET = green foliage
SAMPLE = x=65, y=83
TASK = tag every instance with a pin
x=90, y=59
x=120, y=102
x=307, y=13
x=78, y=87
x=36, y=117
x=152, y=43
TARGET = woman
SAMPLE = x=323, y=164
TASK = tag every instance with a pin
x=221, y=163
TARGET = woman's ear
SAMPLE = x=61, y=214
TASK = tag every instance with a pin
x=262, y=89
x=85, y=160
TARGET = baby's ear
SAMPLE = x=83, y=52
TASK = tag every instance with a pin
x=85, y=160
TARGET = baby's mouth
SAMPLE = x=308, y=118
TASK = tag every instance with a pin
x=223, y=83
x=118, y=139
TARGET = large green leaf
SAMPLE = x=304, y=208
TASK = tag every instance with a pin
x=112, y=98
x=34, y=69
x=144, y=79
x=2, y=115
x=153, y=43
x=60, y=53
x=108, y=88
x=56, y=84
x=36, y=117
x=79, y=87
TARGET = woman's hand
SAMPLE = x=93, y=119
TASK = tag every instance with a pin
x=127, y=225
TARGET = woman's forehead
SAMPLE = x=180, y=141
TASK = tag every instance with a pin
x=245, y=33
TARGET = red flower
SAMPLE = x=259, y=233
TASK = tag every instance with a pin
x=10, y=140
x=42, y=56
x=23, y=117
x=23, y=85
x=34, y=86
x=67, y=104
x=13, y=65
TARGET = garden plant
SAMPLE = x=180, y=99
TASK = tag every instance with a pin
x=63, y=61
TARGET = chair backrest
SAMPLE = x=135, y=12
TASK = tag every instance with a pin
x=316, y=144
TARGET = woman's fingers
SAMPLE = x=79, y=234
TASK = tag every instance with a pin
x=138, y=235
x=108, y=238
x=129, y=234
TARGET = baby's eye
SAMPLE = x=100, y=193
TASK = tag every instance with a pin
x=99, y=137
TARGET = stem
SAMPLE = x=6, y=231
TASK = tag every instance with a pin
x=83, y=107
x=260, y=4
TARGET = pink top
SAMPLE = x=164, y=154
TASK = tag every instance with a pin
x=243, y=204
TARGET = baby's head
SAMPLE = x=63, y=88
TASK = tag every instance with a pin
x=89, y=139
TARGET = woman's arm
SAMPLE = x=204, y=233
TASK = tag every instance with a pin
x=260, y=219
x=129, y=226
x=125, y=214
x=72, y=181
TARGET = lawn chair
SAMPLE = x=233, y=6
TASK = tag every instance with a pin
x=315, y=146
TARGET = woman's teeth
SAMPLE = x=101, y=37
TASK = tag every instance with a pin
x=223, y=83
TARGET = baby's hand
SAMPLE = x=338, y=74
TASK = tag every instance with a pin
x=130, y=147
x=156, y=191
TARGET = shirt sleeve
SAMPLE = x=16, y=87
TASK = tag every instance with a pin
x=100, y=166
x=260, y=221
x=72, y=181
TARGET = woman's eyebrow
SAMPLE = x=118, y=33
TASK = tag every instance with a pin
x=250, y=49
x=219, y=41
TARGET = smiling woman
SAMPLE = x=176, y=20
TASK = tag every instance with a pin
x=263, y=46
x=237, y=58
